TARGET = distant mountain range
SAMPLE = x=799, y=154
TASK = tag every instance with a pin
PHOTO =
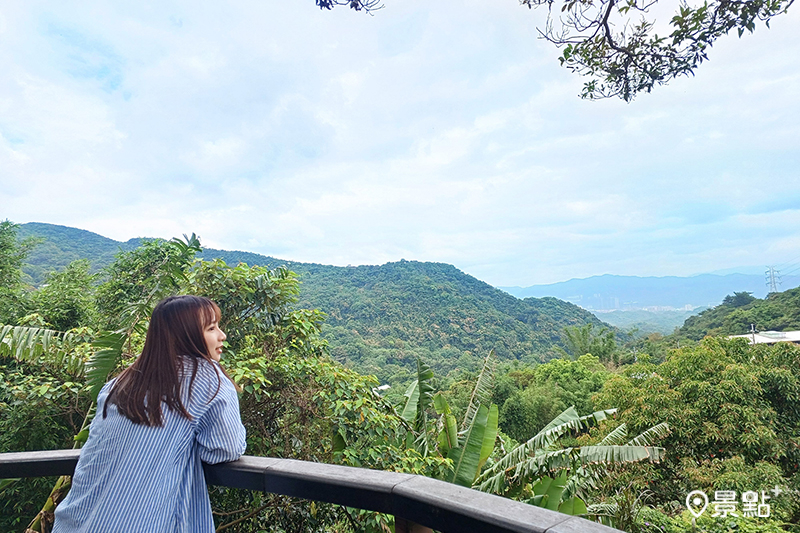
x=609, y=292
x=380, y=318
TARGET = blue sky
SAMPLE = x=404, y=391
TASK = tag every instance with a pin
x=436, y=131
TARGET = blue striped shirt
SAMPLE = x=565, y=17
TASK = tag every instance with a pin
x=134, y=478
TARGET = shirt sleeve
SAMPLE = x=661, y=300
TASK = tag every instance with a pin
x=220, y=434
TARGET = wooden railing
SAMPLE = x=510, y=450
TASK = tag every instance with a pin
x=417, y=502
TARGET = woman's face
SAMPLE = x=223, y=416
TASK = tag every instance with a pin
x=214, y=338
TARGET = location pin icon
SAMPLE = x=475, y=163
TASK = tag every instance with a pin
x=696, y=502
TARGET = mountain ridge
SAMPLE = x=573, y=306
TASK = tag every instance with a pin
x=610, y=291
x=380, y=317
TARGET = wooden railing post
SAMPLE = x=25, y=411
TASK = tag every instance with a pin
x=401, y=525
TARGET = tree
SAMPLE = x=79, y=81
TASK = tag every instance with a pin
x=66, y=300
x=738, y=299
x=467, y=448
x=542, y=392
x=296, y=402
x=581, y=340
x=358, y=5
x=723, y=400
x=138, y=279
x=12, y=255
x=622, y=56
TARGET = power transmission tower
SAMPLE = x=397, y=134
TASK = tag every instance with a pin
x=773, y=277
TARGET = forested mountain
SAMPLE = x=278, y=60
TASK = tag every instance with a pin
x=779, y=311
x=58, y=246
x=380, y=318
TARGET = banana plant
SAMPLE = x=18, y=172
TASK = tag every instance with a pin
x=549, y=492
x=415, y=411
x=468, y=448
x=531, y=460
x=482, y=393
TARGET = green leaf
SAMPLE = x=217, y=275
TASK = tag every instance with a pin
x=574, y=506
x=40, y=345
x=567, y=421
x=482, y=393
x=448, y=436
x=617, y=436
x=4, y=483
x=82, y=437
x=339, y=443
x=489, y=436
x=412, y=397
x=620, y=454
x=104, y=360
x=550, y=489
x=466, y=457
x=650, y=436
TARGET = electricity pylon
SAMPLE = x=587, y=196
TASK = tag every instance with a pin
x=773, y=277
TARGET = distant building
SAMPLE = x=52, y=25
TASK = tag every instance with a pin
x=770, y=337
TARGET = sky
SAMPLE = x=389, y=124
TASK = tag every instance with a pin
x=432, y=131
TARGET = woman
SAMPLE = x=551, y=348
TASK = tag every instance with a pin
x=140, y=470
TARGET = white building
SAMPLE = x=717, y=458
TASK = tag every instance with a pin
x=771, y=337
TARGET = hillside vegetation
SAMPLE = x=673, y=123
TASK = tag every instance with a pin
x=779, y=311
x=58, y=246
x=380, y=318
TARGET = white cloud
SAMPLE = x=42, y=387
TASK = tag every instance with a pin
x=430, y=131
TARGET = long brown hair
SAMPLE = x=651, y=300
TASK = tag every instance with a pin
x=175, y=333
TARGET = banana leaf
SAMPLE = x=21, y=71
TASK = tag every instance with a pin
x=466, y=457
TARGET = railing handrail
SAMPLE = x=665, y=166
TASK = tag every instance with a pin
x=436, y=504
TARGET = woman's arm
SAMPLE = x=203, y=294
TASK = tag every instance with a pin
x=220, y=434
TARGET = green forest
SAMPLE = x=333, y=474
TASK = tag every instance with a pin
x=534, y=399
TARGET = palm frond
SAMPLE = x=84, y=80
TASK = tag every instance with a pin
x=490, y=435
x=568, y=421
x=411, y=395
x=424, y=402
x=419, y=397
x=583, y=477
x=603, y=513
x=448, y=430
x=582, y=460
